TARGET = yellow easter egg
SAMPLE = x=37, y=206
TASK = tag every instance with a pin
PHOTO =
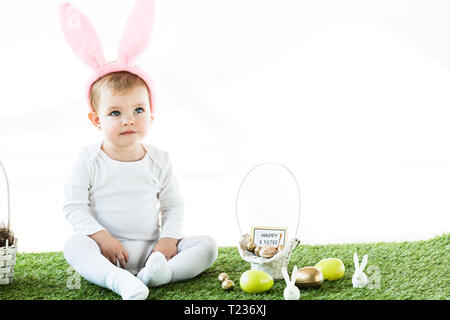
x=332, y=268
x=255, y=281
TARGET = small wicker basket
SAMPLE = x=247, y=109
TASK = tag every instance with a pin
x=7, y=262
x=8, y=252
x=273, y=265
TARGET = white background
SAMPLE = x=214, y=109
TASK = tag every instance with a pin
x=352, y=96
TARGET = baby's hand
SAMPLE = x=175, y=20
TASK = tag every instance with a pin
x=167, y=246
x=111, y=248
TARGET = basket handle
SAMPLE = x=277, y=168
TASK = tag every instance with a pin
x=239, y=190
x=7, y=190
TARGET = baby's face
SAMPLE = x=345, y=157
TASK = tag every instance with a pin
x=124, y=119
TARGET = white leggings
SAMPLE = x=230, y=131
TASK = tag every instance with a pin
x=195, y=255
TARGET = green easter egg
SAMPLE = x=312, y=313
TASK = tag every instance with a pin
x=332, y=268
x=255, y=281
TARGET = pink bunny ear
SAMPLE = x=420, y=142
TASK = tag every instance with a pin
x=81, y=36
x=137, y=33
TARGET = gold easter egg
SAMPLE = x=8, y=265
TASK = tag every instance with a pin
x=227, y=285
x=222, y=277
x=309, y=277
x=251, y=246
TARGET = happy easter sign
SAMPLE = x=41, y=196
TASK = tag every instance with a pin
x=269, y=236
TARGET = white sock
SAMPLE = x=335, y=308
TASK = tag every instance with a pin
x=156, y=271
x=125, y=284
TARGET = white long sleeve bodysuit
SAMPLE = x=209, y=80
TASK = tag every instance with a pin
x=122, y=197
x=138, y=203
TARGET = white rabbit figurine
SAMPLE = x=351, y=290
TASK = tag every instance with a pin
x=291, y=292
x=359, y=279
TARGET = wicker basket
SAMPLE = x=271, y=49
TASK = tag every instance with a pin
x=271, y=265
x=7, y=262
x=8, y=252
x=274, y=264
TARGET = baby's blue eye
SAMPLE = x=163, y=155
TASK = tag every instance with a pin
x=115, y=113
x=138, y=110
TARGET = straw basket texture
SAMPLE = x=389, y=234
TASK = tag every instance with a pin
x=8, y=252
x=272, y=265
x=7, y=262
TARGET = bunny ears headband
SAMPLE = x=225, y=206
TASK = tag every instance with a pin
x=84, y=41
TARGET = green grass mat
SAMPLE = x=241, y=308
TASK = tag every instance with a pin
x=406, y=270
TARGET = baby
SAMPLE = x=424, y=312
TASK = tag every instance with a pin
x=114, y=195
x=122, y=198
